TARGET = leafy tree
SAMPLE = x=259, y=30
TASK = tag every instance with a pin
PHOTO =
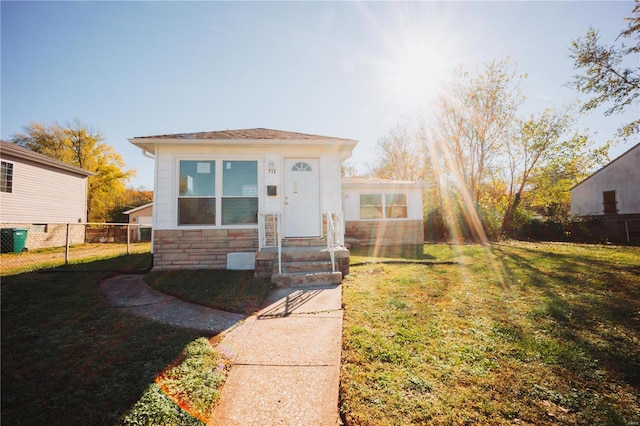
x=549, y=184
x=538, y=140
x=605, y=74
x=83, y=147
x=128, y=199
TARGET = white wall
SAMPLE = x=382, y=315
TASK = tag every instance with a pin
x=43, y=194
x=167, y=157
x=621, y=175
x=351, y=198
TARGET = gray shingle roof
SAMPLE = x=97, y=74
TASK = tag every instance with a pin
x=241, y=134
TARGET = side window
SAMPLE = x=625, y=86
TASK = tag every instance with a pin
x=395, y=206
x=371, y=206
x=6, y=175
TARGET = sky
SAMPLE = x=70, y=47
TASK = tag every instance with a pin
x=344, y=69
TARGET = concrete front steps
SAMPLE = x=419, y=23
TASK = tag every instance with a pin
x=308, y=262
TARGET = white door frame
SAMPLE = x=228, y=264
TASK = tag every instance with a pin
x=302, y=214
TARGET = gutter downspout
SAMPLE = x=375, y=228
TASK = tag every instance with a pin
x=151, y=156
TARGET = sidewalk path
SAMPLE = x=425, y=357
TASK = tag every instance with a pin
x=286, y=368
x=133, y=295
x=286, y=359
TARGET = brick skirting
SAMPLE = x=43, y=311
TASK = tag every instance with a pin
x=385, y=232
x=200, y=248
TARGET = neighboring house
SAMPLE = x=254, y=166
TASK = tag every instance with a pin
x=382, y=212
x=212, y=190
x=41, y=194
x=612, y=190
x=143, y=217
x=611, y=198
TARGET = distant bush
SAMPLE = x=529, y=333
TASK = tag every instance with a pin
x=577, y=230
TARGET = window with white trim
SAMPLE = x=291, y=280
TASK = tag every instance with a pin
x=218, y=192
x=197, y=194
x=240, y=192
x=383, y=206
x=6, y=176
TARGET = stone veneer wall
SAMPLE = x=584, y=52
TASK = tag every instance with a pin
x=200, y=248
x=385, y=232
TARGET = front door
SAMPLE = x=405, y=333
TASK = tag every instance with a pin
x=301, y=198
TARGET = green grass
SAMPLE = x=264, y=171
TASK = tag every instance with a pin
x=232, y=291
x=52, y=257
x=70, y=358
x=184, y=393
x=512, y=334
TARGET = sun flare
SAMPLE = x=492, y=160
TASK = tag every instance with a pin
x=414, y=70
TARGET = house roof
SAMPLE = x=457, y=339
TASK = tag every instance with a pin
x=636, y=146
x=9, y=149
x=144, y=206
x=239, y=137
x=243, y=134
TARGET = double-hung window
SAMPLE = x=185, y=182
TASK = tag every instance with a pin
x=197, y=195
x=383, y=206
x=218, y=192
x=395, y=206
x=239, y=192
x=6, y=177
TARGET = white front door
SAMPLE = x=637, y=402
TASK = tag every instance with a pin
x=302, y=216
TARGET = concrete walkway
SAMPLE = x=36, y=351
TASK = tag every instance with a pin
x=286, y=368
x=133, y=295
x=286, y=359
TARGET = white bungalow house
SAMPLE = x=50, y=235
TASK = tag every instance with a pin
x=42, y=195
x=220, y=197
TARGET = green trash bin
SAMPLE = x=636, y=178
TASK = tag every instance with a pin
x=13, y=239
x=145, y=234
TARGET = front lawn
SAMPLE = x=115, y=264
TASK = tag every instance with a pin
x=70, y=358
x=232, y=291
x=516, y=333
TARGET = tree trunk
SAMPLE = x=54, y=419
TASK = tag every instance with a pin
x=507, y=220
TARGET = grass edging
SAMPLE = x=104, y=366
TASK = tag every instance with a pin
x=186, y=392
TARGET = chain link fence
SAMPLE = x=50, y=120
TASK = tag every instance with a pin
x=30, y=246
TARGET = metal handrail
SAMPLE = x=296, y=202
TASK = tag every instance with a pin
x=269, y=232
x=335, y=235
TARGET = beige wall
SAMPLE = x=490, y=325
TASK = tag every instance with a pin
x=621, y=175
x=43, y=194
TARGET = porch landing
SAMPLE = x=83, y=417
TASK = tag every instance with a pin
x=304, y=262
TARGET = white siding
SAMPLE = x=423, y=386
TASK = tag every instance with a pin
x=351, y=198
x=43, y=194
x=621, y=175
x=167, y=156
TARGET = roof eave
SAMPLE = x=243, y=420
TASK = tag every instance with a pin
x=21, y=153
x=150, y=144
